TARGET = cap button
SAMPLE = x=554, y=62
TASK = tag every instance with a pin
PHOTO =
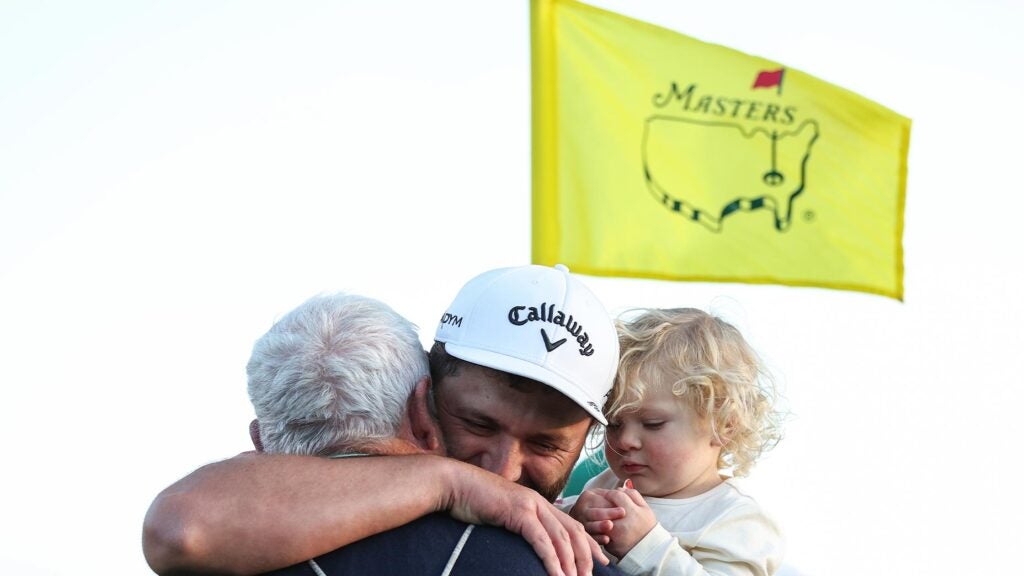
x=562, y=267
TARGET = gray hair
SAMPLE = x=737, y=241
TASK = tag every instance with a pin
x=334, y=374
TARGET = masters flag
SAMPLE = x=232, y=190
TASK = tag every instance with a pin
x=656, y=155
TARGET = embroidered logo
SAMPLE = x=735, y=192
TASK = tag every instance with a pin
x=451, y=320
x=548, y=343
x=521, y=315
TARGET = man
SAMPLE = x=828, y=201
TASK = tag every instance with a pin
x=523, y=360
x=345, y=376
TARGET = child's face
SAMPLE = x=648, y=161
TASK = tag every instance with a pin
x=663, y=448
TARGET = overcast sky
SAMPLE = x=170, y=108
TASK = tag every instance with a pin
x=175, y=176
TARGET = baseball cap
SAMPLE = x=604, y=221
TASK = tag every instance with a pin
x=538, y=322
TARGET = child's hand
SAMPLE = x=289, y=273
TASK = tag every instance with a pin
x=596, y=513
x=634, y=524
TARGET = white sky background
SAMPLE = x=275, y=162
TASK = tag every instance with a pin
x=175, y=176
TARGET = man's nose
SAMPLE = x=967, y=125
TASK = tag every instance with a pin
x=506, y=460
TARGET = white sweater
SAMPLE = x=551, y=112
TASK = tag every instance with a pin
x=720, y=532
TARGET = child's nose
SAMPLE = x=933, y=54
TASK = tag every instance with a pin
x=629, y=439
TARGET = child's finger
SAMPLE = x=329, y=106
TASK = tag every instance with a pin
x=595, y=514
x=598, y=528
x=635, y=496
x=621, y=498
x=600, y=492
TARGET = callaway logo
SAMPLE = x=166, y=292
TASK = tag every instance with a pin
x=520, y=315
x=548, y=343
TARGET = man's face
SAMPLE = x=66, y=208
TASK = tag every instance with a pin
x=528, y=433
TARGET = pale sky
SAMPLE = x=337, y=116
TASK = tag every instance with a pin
x=175, y=176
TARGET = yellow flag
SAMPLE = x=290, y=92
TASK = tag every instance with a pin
x=659, y=156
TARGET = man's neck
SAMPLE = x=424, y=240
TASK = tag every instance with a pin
x=387, y=447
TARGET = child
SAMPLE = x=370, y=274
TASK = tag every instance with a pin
x=690, y=401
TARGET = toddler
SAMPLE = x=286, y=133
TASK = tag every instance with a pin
x=691, y=408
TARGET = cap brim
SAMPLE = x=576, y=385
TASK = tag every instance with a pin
x=498, y=361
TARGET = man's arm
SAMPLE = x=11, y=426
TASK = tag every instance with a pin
x=258, y=512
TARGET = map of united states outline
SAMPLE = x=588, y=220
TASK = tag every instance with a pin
x=672, y=150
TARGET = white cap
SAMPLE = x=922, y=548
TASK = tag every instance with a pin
x=538, y=322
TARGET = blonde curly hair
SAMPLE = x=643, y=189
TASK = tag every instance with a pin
x=706, y=363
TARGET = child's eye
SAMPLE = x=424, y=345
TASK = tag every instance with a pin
x=613, y=425
x=654, y=425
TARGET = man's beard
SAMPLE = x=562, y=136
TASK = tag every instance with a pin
x=552, y=491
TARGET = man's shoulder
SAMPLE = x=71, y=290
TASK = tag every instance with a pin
x=419, y=547
x=425, y=546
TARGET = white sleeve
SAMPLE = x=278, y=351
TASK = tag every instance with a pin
x=743, y=542
x=659, y=553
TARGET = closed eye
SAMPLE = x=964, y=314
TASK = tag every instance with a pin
x=546, y=448
x=479, y=427
x=654, y=425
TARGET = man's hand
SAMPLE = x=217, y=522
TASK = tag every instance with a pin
x=479, y=497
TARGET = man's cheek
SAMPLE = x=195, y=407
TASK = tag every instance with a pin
x=551, y=479
x=463, y=447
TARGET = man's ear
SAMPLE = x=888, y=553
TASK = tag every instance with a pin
x=425, y=431
x=254, y=433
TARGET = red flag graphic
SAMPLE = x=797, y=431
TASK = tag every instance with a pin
x=768, y=78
